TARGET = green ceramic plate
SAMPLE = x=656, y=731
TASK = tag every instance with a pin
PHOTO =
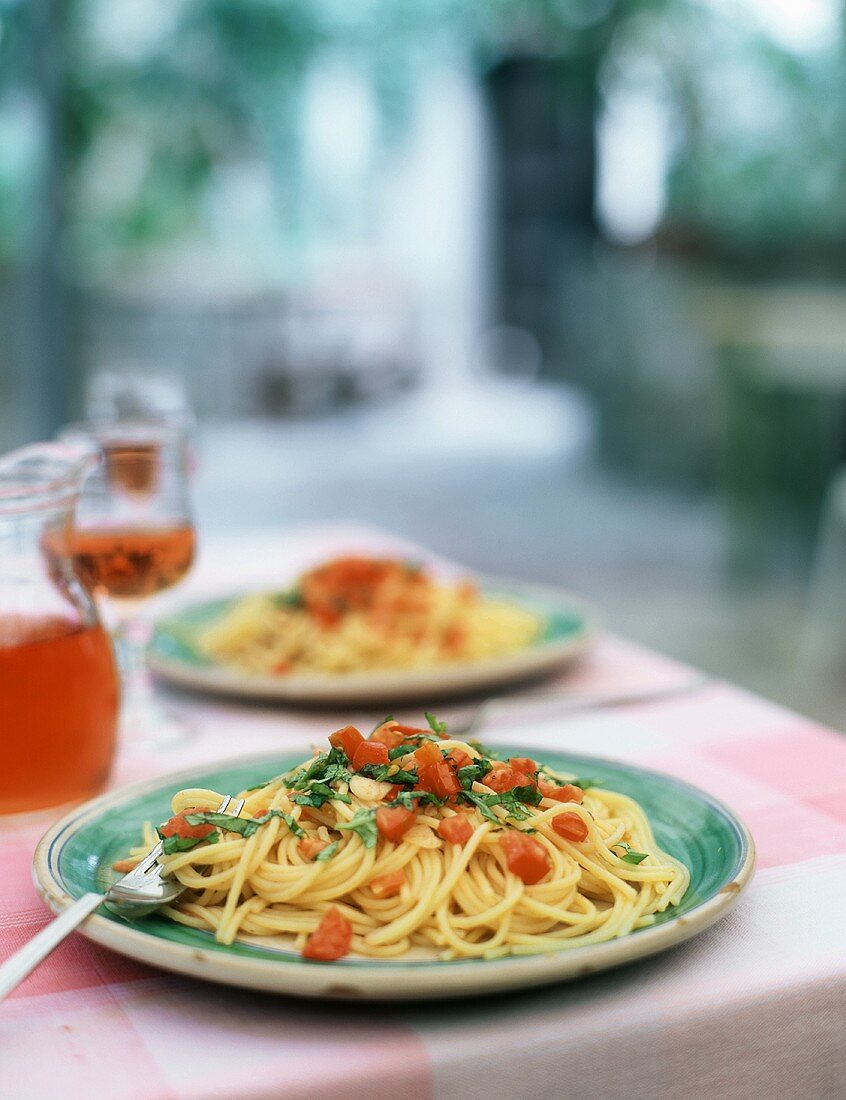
x=75, y=858
x=568, y=627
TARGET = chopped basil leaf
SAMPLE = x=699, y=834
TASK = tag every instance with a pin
x=406, y=799
x=382, y=773
x=400, y=750
x=630, y=855
x=434, y=725
x=313, y=800
x=290, y=598
x=244, y=826
x=327, y=853
x=482, y=804
x=172, y=844
x=364, y=824
x=473, y=773
x=331, y=767
x=511, y=801
x=317, y=794
x=528, y=794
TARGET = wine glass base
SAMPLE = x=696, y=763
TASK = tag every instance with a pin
x=152, y=727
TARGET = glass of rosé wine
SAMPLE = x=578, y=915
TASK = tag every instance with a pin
x=132, y=539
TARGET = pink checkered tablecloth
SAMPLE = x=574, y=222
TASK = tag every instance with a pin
x=753, y=1008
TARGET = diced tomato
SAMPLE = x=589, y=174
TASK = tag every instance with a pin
x=452, y=638
x=428, y=753
x=440, y=779
x=455, y=830
x=178, y=826
x=392, y=793
x=523, y=764
x=311, y=846
x=459, y=758
x=370, y=752
x=393, y=822
x=411, y=731
x=325, y=616
x=348, y=739
x=385, y=886
x=387, y=735
x=570, y=826
x=526, y=857
x=567, y=793
x=504, y=779
x=331, y=939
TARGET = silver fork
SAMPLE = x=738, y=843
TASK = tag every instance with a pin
x=141, y=891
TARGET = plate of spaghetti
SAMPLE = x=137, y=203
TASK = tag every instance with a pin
x=406, y=865
x=360, y=630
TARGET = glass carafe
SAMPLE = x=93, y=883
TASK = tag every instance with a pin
x=59, y=694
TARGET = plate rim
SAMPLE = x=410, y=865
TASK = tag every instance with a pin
x=398, y=684
x=369, y=980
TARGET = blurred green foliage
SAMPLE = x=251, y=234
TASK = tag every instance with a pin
x=157, y=95
x=759, y=160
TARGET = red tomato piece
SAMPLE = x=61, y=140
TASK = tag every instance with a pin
x=440, y=779
x=385, y=886
x=411, y=731
x=455, y=830
x=331, y=939
x=311, y=846
x=428, y=753
x=178, y=826
x=370, y=752
x=526, y=857
x=392, y=793
x=570, y=826
x=504, y=779
x=459, y=758
x=523, y=764
x=388, y=735
x=567, y=793
x=348, y=739
x=393, y=822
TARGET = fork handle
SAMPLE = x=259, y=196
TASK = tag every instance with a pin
x=14, y=970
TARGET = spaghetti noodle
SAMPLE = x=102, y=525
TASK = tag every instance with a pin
x=410, y=840
x=360, y=614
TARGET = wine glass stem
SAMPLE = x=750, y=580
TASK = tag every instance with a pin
x=131, y=636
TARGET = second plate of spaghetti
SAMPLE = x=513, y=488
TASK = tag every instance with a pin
x=361, y=630
x=405, y=864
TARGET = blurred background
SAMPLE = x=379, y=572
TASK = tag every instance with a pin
x=555, y=287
